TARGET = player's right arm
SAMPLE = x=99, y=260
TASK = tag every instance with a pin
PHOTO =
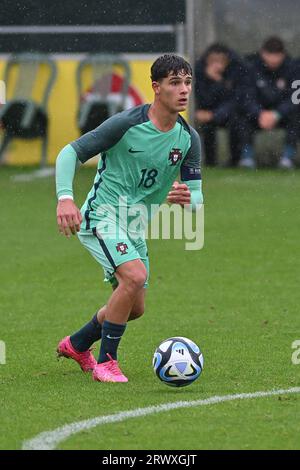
x=87, y=146
x=68, y=215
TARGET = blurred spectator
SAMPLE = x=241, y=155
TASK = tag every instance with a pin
x=268, y=101
x=220, y=75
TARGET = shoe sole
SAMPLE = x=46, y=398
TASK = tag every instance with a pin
x=60, y=354
x=96, y=379
x=110, y=381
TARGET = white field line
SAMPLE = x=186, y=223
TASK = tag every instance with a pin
x=28, y=177
x=49, y=440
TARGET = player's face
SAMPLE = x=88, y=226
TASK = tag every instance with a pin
x=174, y=91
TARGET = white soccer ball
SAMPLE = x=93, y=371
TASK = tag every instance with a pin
x=178, y=361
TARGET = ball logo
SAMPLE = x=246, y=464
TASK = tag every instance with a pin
x=180, y=351
x=122, y=248
x=175, y=156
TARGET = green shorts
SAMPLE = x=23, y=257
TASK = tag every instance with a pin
x=111, y=252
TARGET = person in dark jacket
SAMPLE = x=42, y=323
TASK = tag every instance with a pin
x=220, y=75
x=268, y=100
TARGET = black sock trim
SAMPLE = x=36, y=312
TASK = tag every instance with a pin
x=104, y=248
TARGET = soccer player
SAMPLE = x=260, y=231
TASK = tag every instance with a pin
x=142, y=151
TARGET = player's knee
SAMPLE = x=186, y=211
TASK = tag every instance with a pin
x=137, y=312
x=135, y=279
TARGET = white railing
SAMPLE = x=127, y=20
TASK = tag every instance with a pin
x=177, y=29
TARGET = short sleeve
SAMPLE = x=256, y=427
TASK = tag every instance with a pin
x=102, y=138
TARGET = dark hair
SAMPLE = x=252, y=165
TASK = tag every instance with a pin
x=217, y=48
x=273, y=45
x=169, y=63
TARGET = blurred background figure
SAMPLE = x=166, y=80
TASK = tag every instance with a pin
x=220, y=77
x=267, y=101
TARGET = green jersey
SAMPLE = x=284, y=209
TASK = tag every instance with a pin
x=138, y=161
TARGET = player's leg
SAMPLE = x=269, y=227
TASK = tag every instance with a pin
x=137, y=310
x=78, y=345
x=128, y=297
x=83, y=339
x=138, y=307
x=131, y=278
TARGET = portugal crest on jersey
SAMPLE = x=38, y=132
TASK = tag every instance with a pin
x=175, y=156
x=122, y=248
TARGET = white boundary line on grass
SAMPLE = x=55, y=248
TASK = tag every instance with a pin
x=37, y=174
x=49, y=440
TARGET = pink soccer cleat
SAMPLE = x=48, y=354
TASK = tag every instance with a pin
x=109, y=372
x=85, y=359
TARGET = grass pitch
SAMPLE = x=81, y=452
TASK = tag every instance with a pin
x=238, y=299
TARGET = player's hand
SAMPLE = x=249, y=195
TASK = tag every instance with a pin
x=180, y=194
x=68, y=217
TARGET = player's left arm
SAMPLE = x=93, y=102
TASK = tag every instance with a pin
x=189, y=191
